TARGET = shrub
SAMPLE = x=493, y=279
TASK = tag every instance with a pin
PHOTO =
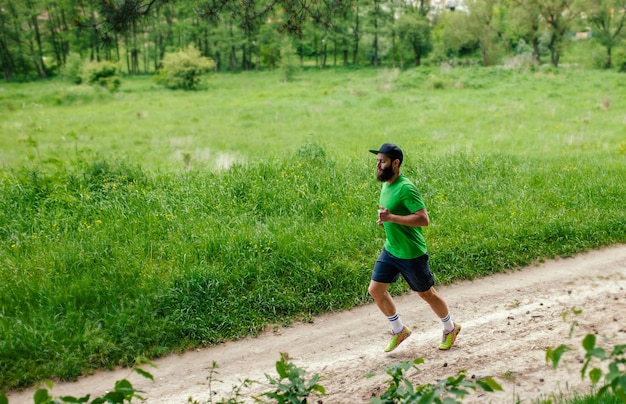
x=183, y=69
x=289, y=64
x=73, y=69
x=104, y=74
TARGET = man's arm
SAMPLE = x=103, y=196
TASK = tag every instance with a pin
x=416, y=219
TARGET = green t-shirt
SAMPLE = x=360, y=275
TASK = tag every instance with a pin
x=403, y=198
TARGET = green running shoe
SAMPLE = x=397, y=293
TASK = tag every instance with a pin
x=448, y=339
x=397, y=339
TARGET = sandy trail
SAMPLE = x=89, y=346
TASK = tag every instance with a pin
x=508, y=322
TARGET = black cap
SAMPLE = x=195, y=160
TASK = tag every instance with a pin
x=390, y=150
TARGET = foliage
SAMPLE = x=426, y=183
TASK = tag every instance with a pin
x=289, y=64
x=611, y=370
x=414, y=31
x=123, y=392
x=183, y=69
x=104, y=74
x=73, y=69
x=401, y=389
x=291, y=385
x=609, y=25
x=136, y=34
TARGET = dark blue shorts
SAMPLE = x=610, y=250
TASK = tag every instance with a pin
x=415, y=271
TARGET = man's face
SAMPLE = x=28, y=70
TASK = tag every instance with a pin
x=384, y=168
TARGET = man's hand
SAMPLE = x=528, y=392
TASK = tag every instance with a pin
x=383, y=215
x=417, y=219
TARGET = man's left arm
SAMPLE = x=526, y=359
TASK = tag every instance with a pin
x=416, y=219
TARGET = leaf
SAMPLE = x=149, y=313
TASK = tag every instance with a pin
x=282, y=369
x=113, y=397
x=618, y=350
x=595, y=375
x=123, y=385
x=144, y=374
x=418, y=361
x=555, y=355
x=489, y=384
x=597, y=353
x=427, y=398
x=589, y=342
x=41, y=396
x=3, y=399
x=70, y=399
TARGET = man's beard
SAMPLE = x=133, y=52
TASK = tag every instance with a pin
x=385, y=175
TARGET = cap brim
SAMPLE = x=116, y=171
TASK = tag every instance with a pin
x=375, y=151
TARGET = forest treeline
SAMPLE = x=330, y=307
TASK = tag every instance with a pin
x=38, y=36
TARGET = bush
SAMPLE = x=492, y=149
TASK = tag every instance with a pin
x=289, y=63
x=104, y=74
x=73, y=69
x=183, y=69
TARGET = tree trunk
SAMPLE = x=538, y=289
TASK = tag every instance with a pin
x=6, y=61
x=57, y=46
x=375, y=58
x=608, y=62
x=38, y=53
x=418, y=58
x=355, y=56
x=536, y=53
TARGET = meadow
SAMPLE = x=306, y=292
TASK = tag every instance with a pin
x=149, y=221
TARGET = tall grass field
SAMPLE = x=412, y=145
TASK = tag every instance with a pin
x=150, y=221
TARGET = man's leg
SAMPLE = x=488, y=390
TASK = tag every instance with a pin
x=439, y=306
x=383, y=299
x=386, y=305
x=435, y=301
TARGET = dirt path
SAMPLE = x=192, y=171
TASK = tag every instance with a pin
x=508, y=322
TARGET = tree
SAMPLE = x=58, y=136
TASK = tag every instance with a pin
x=414, y=32
x=524, y=22
x=557, y=15
x=483, y=26
x=453, y=35
x=607, y=17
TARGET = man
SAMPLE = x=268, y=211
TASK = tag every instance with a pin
x=403, y=214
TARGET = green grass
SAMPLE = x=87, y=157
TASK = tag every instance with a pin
x=121, y=236
x=606, y=398
x=255, y=115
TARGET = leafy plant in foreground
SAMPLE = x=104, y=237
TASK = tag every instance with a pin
x=402, y=390
x=615, y=376
x=124, y=392
x=291, y=386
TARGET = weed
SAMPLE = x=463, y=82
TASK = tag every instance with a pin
x=401, y=389
x=123, y=392
x=611, y=370
x=291, y=385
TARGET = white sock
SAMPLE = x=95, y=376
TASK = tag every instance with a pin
x=448, y=324
x=396, y=323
